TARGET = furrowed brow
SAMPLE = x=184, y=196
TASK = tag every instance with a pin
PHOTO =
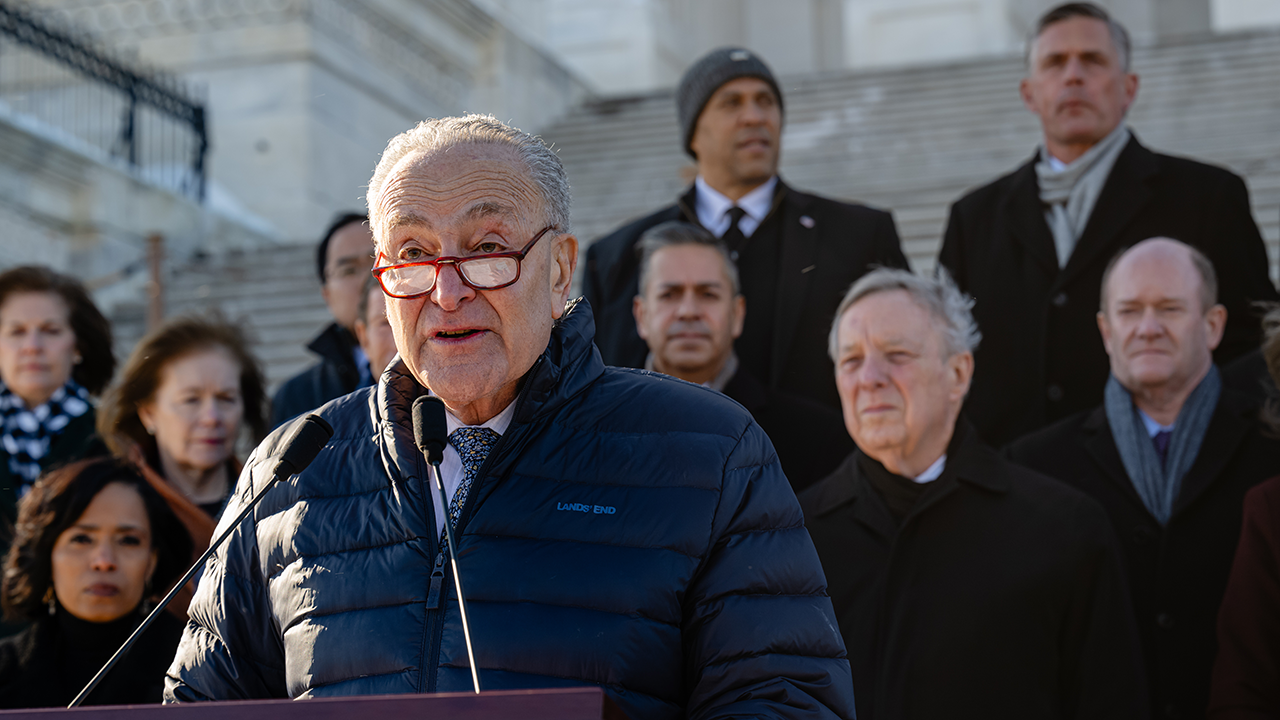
x=488, y=209
x=408, y=219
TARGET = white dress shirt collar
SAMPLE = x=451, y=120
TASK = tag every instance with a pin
x=1153, y=427
x=933, y=472
x=498, y=423
x=713, y=207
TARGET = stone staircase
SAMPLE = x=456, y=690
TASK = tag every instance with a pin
x=911, y=140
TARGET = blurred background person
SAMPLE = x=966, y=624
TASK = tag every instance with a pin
x=1170, y=454
x=343, y=261
x=94, y=542
x=1031, y=246
x=55, y=353
x=796, y=252
x=964, y=586
x=1246, y=674
x=372, y=328
x=177, y=412
x=689, y=311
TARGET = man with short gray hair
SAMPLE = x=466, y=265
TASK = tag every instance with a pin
x=965, y=586
x=1170, y=453
x=615, y=528
x=689, y=311
x=1031, y=246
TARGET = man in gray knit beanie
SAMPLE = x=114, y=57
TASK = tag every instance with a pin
x=796, y=253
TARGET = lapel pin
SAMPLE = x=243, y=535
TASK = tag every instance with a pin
x=806, y=221
x=808, y=269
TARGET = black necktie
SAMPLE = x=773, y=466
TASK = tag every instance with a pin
x=733, y=237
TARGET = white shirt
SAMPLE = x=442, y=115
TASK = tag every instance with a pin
x=1153, y=427
x=933, y=472
x=1056, y=164
x=451, y=467
x=713, y=207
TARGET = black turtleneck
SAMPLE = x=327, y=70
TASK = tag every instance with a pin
x=900, y=494
x=47, y=664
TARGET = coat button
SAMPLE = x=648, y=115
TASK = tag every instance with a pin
x=1060, y=299
x=1143, y=535
x=1054, y=392
x=1165, y=620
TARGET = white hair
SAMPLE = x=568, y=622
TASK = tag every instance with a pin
x=435, y=135
x=951, y=309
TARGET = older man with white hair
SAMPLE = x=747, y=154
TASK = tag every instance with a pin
x=965, y=586
x=614, y=527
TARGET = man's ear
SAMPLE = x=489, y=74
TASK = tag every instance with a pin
x=739, y=316
x=961, y=365
x=564, y=259
x=1104, y=327
x=1024, y=90
x=1216, y=319
x=637, y=311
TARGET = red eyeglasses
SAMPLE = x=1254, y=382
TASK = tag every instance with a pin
x=490, y=271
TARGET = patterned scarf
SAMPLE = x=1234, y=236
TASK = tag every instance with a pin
x=1158, y=484
x=1069, y=194
x=28, y=433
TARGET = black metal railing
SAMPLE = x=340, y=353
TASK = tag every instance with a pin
x=80, y=91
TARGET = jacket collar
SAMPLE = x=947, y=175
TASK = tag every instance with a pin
x=335, y=344
x=1233, y=419
x=568, y=366
x=1125, y=194
x=969, y=462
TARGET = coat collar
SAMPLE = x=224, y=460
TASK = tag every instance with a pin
x=970, y=462
x=1233, y=420
x=1125, y=194
x=568, y=366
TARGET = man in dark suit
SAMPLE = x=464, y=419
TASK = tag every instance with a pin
x=343, y=260
x=965, y=586
x=1030, y=247
x=689, y=311
x=796, y=253
x=1170, y=454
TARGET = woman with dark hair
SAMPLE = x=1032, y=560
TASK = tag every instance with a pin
x=177, y=412
x=55, y=352
x=94, y=542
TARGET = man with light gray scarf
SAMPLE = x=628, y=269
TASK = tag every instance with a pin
x=1169, y=454
x=1031, y=246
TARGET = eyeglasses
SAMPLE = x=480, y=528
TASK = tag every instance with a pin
x=490, y=271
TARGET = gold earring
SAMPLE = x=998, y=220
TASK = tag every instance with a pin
x=51, y=600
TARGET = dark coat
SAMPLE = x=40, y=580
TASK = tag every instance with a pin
x=48, y=664
x=334, y=376
x=826, y=246
x=809, y=437
x=628, y=530
x=1177, y=574
x=1000, y=596
x=77, y=441
x=1041, y=357
x=1246, y=675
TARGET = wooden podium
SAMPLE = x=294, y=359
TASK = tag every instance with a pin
x=587, y=703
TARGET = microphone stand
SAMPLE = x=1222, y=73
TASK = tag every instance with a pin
x=434, y=469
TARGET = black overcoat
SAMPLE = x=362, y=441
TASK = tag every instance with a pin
x=1001, y=596
x=1177, y=574
x=826, y=245
x=334, y=376
x=1041, y=357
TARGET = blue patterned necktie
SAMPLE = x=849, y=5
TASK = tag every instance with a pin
x=473, y=445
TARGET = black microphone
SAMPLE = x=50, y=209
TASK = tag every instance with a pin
x=302, y=446
x=431, y=433
x=430, y=429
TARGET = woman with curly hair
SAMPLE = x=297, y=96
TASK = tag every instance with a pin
x=94, y=543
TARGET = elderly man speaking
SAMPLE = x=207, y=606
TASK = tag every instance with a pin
x=614, y=528
x=966, y=586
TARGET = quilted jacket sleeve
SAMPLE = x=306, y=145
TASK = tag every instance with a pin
x=231, y=648
x=761, y=638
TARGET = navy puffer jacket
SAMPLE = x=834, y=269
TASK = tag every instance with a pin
x=629, y=530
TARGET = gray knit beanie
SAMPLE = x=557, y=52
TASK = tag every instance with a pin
x=706, y=76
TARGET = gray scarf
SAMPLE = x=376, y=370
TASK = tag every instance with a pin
x=1158, y=485
x=1071, y=193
